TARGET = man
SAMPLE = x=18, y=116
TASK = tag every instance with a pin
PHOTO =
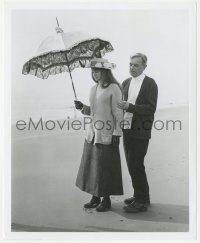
x=140, y=100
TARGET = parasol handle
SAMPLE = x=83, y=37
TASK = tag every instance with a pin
x=71, y=77
x=58, y=29
x=57, y=22
x=73, y=85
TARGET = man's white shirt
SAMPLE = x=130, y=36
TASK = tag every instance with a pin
x=134, y=89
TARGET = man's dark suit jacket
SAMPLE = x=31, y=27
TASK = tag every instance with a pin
x=144, y=108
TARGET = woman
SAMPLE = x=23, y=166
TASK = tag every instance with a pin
x=100, y=169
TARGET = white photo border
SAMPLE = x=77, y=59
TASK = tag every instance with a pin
x=6, y=87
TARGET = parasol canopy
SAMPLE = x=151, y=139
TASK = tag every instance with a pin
x=56, y=55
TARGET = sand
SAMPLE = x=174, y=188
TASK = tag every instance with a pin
x=45, y=198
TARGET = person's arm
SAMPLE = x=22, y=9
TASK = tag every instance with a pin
x=150, y=107
x=117, y=113
x=86, y=110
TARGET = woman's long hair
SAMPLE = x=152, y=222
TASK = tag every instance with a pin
x=108, y=77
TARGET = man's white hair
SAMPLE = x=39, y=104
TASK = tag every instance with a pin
x=143, y=57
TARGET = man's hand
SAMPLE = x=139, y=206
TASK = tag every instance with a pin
x=115, y=140
x=123, y=105
x=58, y=30
x=78, y=104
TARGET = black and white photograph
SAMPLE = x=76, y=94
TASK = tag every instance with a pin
x=101, y=119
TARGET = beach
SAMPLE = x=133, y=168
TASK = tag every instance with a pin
x=44, y=169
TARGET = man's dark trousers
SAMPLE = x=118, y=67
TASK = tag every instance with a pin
x=135, y=151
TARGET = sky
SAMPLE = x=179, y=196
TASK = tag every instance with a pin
x=160, y=34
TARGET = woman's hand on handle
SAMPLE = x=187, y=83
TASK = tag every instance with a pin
x=78, y=104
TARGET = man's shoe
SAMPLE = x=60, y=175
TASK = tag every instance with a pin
x=129, y=200
x=104, y=206
x=132, y=200
x=135, y=207
x=94, y=202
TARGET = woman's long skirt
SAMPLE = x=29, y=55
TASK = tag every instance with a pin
x=100, y=170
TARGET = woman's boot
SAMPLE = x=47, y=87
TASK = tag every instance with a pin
x=94, y=202
x=105, y=205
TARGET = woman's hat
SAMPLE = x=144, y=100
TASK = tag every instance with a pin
x=101, y=63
